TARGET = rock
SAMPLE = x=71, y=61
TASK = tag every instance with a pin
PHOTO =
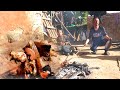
x=15, y=35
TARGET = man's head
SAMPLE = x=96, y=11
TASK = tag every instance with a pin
x=60, y=33
x=96, y=22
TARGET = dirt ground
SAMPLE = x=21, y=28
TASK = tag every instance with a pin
x=108, y=68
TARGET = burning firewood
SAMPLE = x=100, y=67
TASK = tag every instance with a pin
x=25, y=68
x=44, y=48
x=30, y=53
x=18, y=56
x=34, y=60
x=34, y=69
x=42, y=51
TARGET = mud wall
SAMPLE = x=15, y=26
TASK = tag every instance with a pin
x=15, y=23
x=28, y=21
x=9, y=20
x=111, y=22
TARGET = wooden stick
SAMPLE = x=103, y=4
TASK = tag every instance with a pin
x=65, y=27
x=118, y=64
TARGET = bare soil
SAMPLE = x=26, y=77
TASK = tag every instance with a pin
x=108, y=68
x=107, y=64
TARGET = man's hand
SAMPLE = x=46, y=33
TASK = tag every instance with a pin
x=110, y=38
x=107, y=37
x=86, y=42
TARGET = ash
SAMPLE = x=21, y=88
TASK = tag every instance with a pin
x=74, y=71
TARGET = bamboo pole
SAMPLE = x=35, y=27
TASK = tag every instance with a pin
x=65, y=27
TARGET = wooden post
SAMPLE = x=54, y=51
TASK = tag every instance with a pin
x=62, y=20
x=51, y=15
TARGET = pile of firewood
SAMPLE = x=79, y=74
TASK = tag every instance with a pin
x=34, y=60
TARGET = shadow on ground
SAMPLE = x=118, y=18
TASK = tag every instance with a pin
x=111, y=49
x=97, y=56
